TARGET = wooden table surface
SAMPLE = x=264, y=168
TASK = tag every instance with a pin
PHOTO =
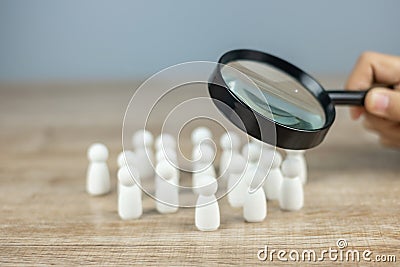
x=46, y=217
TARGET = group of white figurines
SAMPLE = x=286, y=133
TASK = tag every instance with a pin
x=252, y=174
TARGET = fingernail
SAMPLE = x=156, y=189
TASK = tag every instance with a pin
x=380, y=102
x=355, y=113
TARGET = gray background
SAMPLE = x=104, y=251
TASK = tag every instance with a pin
x=108, y=40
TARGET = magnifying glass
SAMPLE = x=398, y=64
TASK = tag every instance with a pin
x=276, y=96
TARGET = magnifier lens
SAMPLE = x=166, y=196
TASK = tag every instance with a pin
x=274, y=94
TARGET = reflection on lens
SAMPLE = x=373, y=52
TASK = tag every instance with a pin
x=280, y=115
x=274, y=94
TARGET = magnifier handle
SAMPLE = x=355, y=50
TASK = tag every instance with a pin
x=342, y=97
x=354, y=98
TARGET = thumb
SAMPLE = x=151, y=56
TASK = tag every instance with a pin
x=384, y=103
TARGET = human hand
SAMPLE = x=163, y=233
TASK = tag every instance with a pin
x=381, y=110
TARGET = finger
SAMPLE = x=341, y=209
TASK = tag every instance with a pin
x=389, y=143
x=374, y=127
x=384, y=103
x=384, y=128
x=392, y=133
x=356, y=112
x=386, y=68
x=372, y=67
x=360, y=78
x=373, y=122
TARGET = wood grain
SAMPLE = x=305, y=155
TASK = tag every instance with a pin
x=47, y=218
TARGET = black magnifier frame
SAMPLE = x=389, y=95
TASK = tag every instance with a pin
x=261, y=127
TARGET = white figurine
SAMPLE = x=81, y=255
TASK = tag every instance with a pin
x=98, y=175
x=255, y=154
x=168, y=154
x=126, y=157
x=237, y=186
x=130, y=196
x=230, y=144
x=203, y=153
x=239, y=177
x=167, y=190
x=170, y=157
x=166, y=149
x=207, y=215
x=291, y=195
x=255, y=203
x=164, y=141
x=262, y=146
x=203, y=166
x=143, y=141
x=299, y=154
x=245, y=149
x=272, y=184
x=200, y=134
